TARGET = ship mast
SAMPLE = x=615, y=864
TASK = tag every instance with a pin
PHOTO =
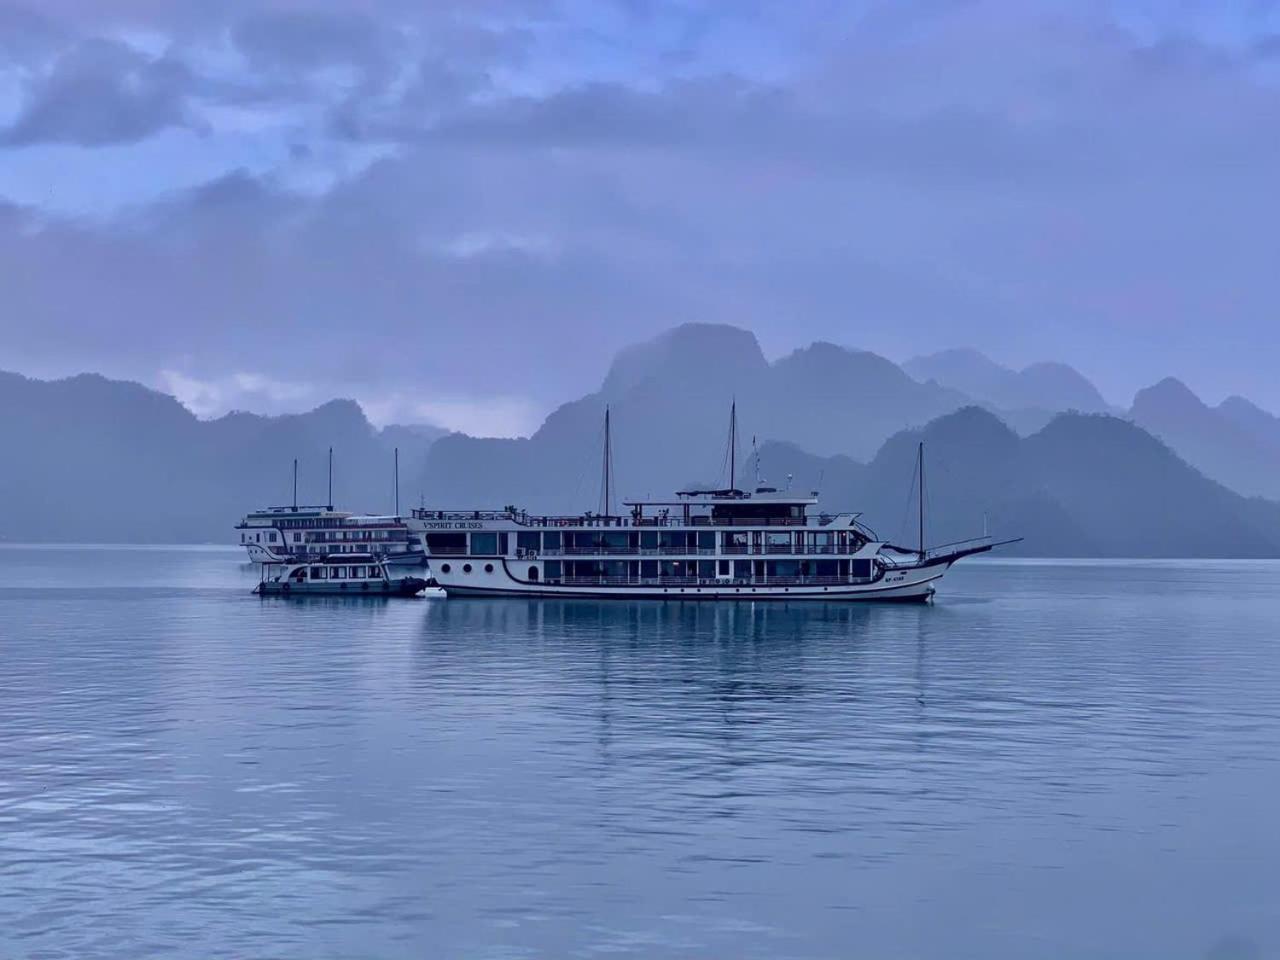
x=607, y=467
x=733, y=445
x=331, y=478
x=920, y=460
x=295, y=484
x=397, y=481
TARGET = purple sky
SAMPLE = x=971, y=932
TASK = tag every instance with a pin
x=458, y=210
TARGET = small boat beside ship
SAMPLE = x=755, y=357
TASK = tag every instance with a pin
x=345, y=575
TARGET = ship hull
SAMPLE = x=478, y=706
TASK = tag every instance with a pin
x=400, y=587
x=913, y=584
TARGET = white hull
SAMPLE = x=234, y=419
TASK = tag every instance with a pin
x=903, y=584
x=258, y=553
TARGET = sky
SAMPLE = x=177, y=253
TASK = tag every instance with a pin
x=456, y=211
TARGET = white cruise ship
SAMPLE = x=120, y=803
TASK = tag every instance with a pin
x=297, y=534
x=288, y=534
x=704, y=544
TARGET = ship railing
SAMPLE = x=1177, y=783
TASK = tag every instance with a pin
x=804, y=550
x=590, y=520
x=762, y=581
x=734, y=550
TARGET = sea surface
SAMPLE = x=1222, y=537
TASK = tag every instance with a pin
x=1053, y=760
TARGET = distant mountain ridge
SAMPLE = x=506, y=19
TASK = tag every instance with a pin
x=1236, y=442
x=1085, y=485
x=670, y=403
x=93, y=459
x=1040, y=386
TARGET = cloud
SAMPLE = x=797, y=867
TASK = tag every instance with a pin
x=238, y=391
x=1033, y=180
x=102, y=92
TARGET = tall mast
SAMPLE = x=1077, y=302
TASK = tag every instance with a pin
x=331, y=478
x=608, y=458
x=295, y=484
x=733, y=444
x=920, y=455
x=397, y=481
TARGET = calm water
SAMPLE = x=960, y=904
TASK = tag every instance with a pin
x=1054, y=760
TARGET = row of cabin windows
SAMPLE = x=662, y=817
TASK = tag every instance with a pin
x=496, y=543
x=297, y=538
x=705, y=569
x=338, y=573
x=309, y=524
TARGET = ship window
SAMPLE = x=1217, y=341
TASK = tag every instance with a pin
x=723, y=568
x=340, y=573
x=502, y=543
x=551, y=540
x=648, y=568
x=297, y=538
x=484, y=543
x=553, y=569
x=447, y=542
x=466, y=568
x=242, y=538
x=445, y=568
x=317, y=573
x=706, y=540
x=527, y=541
x=488, y=568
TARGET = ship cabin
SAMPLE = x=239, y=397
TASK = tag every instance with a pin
x=318, y=531
x=702, y=537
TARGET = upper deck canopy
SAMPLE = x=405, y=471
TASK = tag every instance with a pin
x=734, y=497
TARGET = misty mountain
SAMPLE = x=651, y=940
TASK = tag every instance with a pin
x=1025, y=399
x=91, y=459
x=95, y=459
x=1235, y=443
x=669, y=400
x=1085, y=485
